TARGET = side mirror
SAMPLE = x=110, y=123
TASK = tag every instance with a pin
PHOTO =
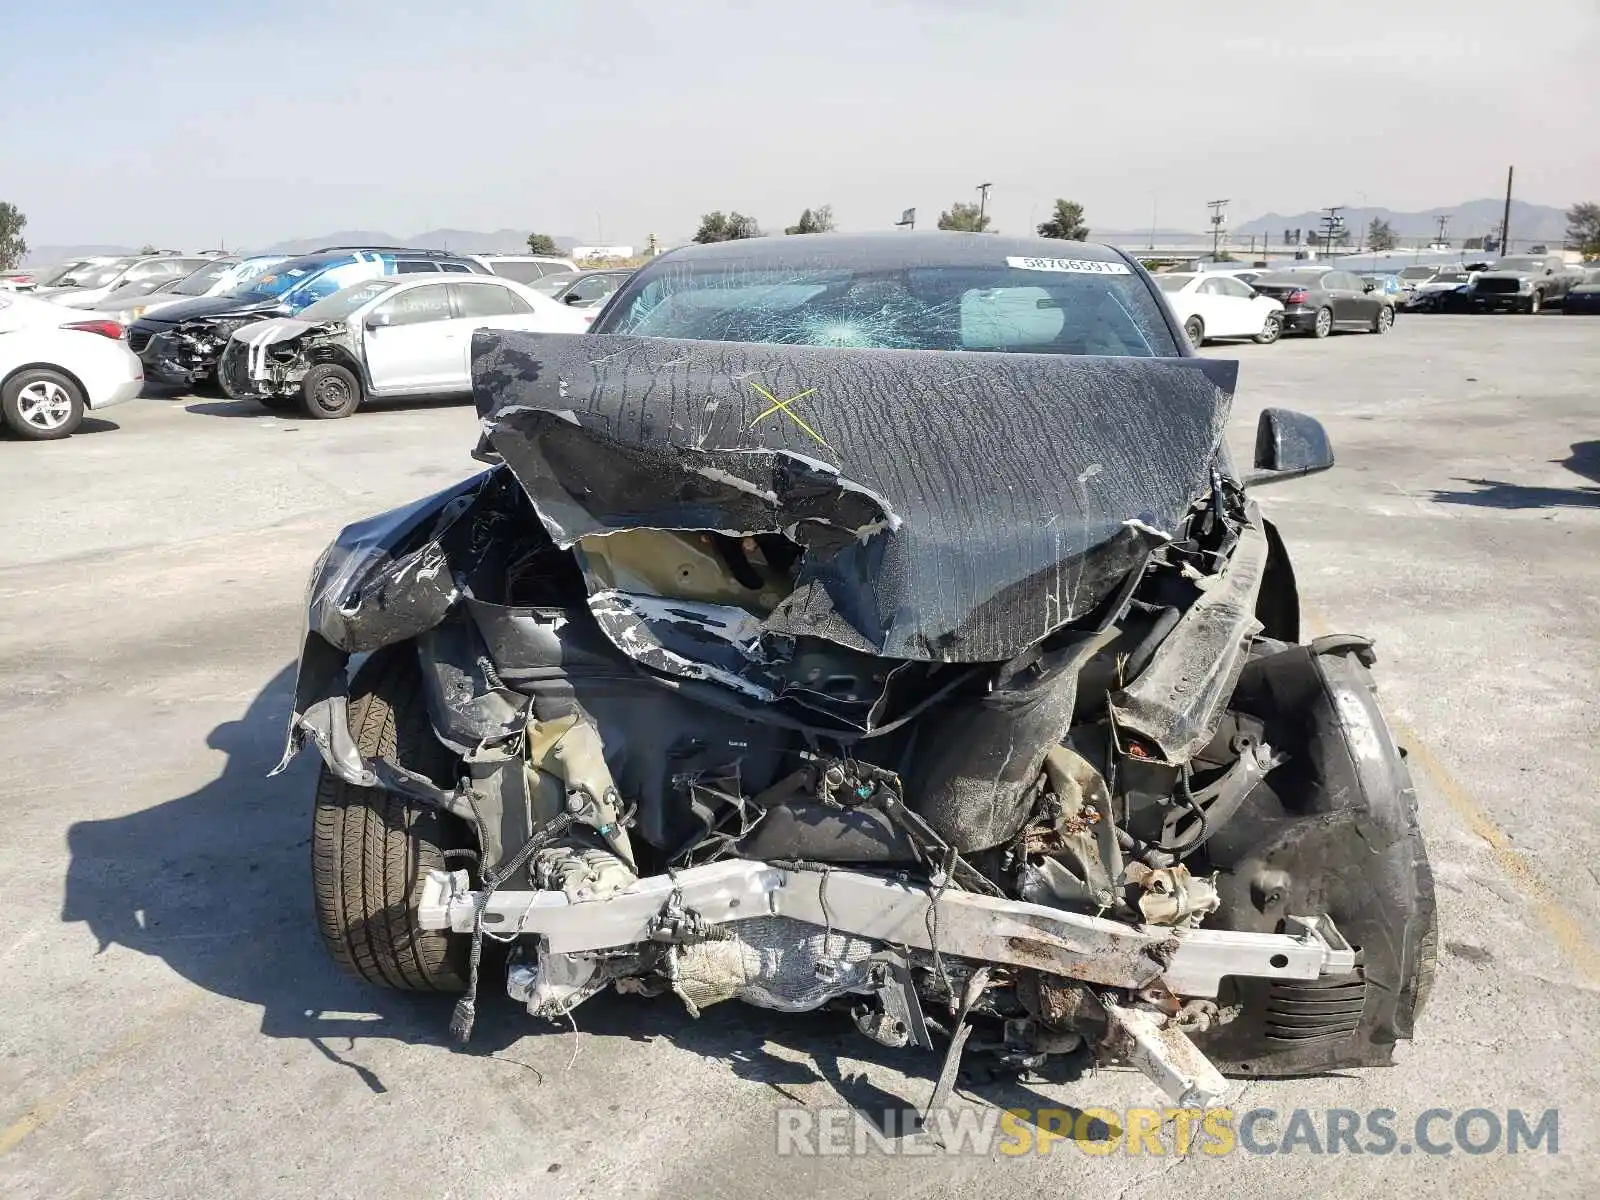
x=1369, y=287
x=1288, y=444
x=572, y=298
x=376, y=321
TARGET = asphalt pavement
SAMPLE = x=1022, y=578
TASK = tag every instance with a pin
x=169, y=1024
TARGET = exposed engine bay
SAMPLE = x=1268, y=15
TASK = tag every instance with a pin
x=272, y=357
x=990, y=731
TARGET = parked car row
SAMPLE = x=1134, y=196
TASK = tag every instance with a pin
x=323, y=332
x=1263, y=304
x=1520, y=283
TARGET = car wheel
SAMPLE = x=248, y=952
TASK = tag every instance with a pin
x=41, y=405
x=329, y=391
x=371, y=849
x=1271, y=331
x=1324, y=325
x=1384, y=321
x=1535, y=302
x=1195, y=330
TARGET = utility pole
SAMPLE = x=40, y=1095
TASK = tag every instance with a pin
x=1444, y=224
x=1330, y=225
x=983, y=202
x=1219, y=216
x=1505, y=219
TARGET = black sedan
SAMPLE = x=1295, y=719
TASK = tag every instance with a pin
x=1318, y=300
x=1584, y=297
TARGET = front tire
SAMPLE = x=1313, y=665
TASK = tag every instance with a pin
x=1384, y=321
x=371, y=849
x=41, y=405
x=1535, y=303
x=1271, y=331
x=1195, y=330
x=1324, y=323
x=329, y=392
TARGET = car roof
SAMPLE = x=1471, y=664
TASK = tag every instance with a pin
x=889, y=249
x=498, y=257
x=1290, y=274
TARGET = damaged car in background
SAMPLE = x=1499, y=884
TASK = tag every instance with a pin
x=876, y=623
x=181, y=343
x=397, y=336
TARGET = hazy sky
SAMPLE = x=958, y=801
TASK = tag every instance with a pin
x=192, y=122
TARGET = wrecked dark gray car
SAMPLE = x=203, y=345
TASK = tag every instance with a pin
x=875, y=623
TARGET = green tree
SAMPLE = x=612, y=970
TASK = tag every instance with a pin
x=1066, y=222
x=1380, y=236
x=1583, y=229
x=814, y=220
x=542, y=243
x=717, y=227
x=963, y=217
x=12, y=248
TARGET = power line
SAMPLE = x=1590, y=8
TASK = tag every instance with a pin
x=1332, y=224
x=1219, y=218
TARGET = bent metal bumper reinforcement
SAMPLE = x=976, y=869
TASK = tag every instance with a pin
x=1189, y=962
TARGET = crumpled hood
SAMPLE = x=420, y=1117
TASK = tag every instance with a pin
x=272, y=331
x=215, y=306
x=951, y=506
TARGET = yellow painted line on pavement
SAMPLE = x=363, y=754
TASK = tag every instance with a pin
x=53, y=1104
x=1567, y=933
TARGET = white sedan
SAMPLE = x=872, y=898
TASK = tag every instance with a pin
x=401, y=335
x=55, y=365
x=1219, y=306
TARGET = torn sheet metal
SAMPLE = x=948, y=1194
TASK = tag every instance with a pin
x=381, y=581
x=951, y=507
x=1176, y=701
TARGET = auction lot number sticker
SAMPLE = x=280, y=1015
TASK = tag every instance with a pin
x=1072, y=266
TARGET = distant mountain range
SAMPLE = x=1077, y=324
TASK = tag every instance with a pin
x=464, y=241
x=1529, y=222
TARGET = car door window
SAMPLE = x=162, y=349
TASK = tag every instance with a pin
x=1233, y=288
x=592, y=290
x=488, y=300
x=413, y=266
x=459, y=268
x=146, y=271
x=417, y=306
x=522, y=272
x=1210, y=287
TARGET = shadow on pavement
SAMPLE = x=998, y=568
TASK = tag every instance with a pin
x=216, y=883
x=88, y=425
x=1493, y=493
x=1584, y=460
x=253, y=408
